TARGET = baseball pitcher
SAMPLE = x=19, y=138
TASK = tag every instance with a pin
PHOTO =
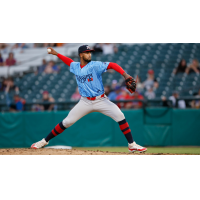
x=89, y=79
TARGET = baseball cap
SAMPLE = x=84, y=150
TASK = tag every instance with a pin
x=45, y=92
x=150, y=71
x=114, y=81
x=84, y=48
x=117, y=88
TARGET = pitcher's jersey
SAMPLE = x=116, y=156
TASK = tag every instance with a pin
x=89, y=78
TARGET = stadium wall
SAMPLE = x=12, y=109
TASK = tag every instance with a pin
x=150, y=127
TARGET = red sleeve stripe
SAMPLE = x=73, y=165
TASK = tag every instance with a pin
x=65, y=59
x=116, y=67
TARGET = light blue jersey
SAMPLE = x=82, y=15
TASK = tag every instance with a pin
x=89, y=78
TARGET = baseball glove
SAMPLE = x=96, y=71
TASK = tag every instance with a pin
x=130, y=84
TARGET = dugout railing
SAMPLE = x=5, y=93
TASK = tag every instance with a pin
x=68, y=105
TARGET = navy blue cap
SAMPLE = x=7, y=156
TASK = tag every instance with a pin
x=117, y=88
x=84, y=48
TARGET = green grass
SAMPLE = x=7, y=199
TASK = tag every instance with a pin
x=170, y=150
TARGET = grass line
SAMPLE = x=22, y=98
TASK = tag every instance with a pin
x=171, y=150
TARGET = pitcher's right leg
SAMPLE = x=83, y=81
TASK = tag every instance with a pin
x=81, y=109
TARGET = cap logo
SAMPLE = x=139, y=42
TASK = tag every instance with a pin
x=88, y=47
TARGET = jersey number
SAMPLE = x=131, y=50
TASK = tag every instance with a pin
x=90, y=79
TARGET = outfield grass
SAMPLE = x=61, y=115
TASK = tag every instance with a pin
x=171, y=150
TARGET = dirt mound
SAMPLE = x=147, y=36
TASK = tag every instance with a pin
x=24, y=151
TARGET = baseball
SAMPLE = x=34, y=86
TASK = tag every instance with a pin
x=49, y=50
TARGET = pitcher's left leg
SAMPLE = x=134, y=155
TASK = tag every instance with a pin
x=110, y=109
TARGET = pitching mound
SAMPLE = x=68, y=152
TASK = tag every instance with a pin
x=65, y=152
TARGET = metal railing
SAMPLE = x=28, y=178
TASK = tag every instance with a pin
x=68, y=105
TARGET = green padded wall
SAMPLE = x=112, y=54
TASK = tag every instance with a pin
x=150, y=127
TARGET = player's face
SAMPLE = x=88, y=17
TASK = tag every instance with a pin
x=86, y=56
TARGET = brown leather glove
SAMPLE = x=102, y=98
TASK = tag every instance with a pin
x=130, y=84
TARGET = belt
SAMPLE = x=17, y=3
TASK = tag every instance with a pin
x=94, y=98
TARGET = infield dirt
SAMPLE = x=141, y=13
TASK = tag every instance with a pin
x=24, y=151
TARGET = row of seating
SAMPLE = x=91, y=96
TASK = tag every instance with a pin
x=135, y=59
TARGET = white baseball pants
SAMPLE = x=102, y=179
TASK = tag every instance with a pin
x=85, y=106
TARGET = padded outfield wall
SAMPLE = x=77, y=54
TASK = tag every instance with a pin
x=150, y=127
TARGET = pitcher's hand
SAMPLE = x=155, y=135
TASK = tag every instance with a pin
x=53, y=52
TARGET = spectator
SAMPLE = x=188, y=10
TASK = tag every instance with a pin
x=10, y=61
x=113, y=85
x=137, y=96
x=113, y=95
x=181, y=67
x=150, y=94
x=1, y=60
x=42, y=67
x=194, y=66
x=47, y=100
x=109, y=48
x=98, y=48
x=107, y=90
x=175, y=102
x=76, y=96
x=51, y=68
x=9, y=82
x=140, y=87
x=12, y=87
x=3, y=85
x=196, y=103
x=3, y=45
x=124, y=95
x=19, y=46
x=18, y=104
x=55, y=67
x=165, y=103
x=151, y=82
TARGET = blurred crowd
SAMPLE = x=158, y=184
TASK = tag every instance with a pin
x=10, y=61
x=192, y=67
x=11, y=48
x=21, y=46
x=17, y=103
x=8, y=86
x=115, y=92
x=48, y=67
x=105, y=48
x=145, y=90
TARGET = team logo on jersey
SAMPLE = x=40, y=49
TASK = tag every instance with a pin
x=90, y=79
x=82, y=79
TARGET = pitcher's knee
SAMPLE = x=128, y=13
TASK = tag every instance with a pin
x=121, y=116
x=67, y=122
